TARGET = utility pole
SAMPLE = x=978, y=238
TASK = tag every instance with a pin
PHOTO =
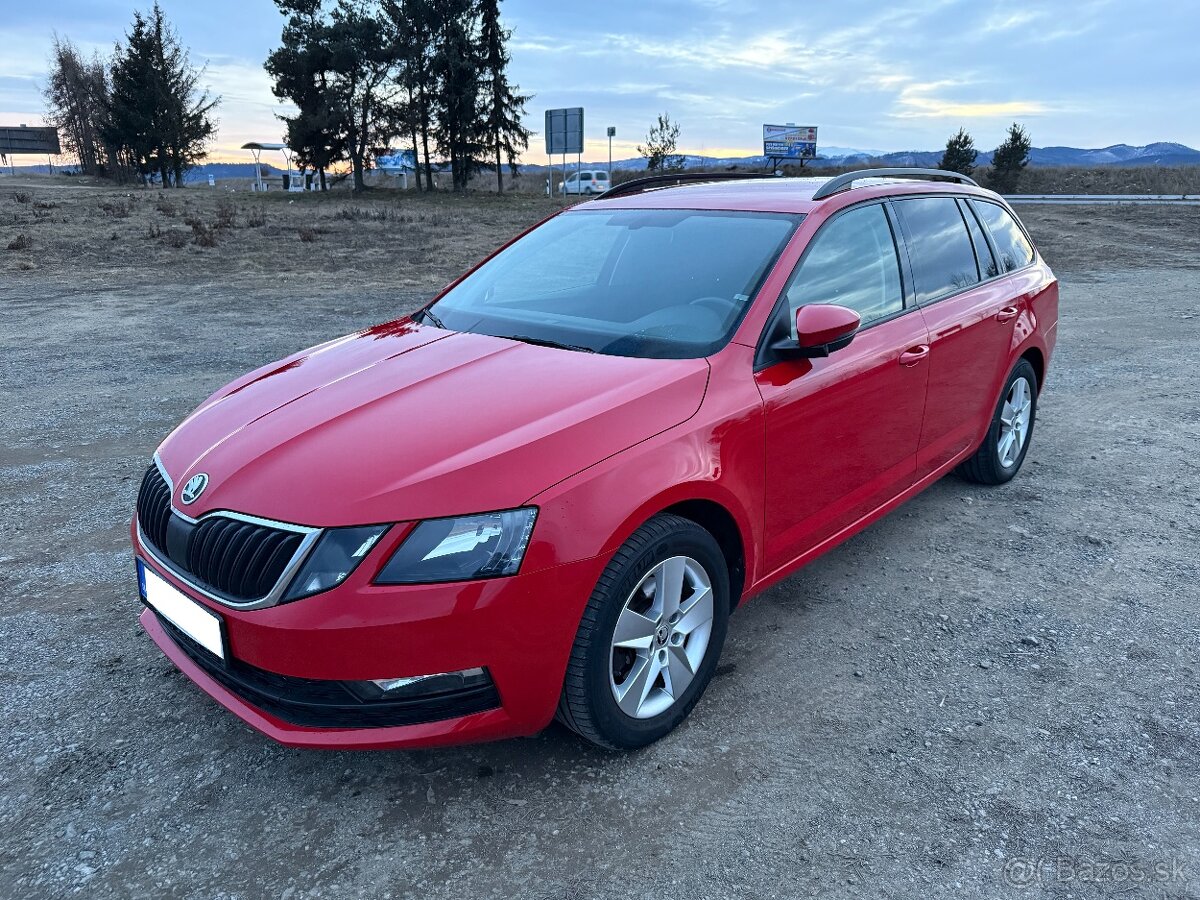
x=612, y=133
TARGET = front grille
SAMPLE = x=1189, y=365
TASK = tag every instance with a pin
x=240, y=561
x=314, y=703
x=154, y=507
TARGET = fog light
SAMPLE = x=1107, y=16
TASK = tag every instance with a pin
x=386, y=689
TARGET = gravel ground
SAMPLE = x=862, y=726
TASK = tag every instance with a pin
x=991, y=693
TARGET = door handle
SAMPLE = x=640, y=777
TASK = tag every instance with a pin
x=1008, y=313
x=914, y=355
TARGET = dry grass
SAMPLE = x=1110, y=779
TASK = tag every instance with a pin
x=402, y=239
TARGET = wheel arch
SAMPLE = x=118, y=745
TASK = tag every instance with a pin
x=1037, y=359
x=720, y=523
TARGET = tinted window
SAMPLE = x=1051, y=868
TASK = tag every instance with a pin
x=1012, y=245
x=983, y=253
x=942, y=257
x=639, y=282
x=586, y=176
x=851, y=262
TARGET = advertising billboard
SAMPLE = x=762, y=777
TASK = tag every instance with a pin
x=790, y=141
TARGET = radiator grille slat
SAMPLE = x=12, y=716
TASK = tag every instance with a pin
x=239, y=560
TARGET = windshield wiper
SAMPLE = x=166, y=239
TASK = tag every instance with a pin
x=546, y=342
x=432, y=317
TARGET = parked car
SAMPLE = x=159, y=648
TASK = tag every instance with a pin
x=590, y=181
x=542, y=495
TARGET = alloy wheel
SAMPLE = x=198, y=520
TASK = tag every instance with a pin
x=661, y=637
x=1014, y=423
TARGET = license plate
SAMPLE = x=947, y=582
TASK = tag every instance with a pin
x=194, y=620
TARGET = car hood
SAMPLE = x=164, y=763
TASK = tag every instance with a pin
x=404, y=421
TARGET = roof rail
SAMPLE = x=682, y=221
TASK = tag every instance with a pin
x=650, y=182
x=833, y=185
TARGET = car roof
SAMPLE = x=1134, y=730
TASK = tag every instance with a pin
x=772, y=194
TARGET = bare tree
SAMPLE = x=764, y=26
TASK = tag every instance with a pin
x=76, y=104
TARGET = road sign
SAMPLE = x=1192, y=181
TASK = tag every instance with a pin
x=22, y=139
x=564, y=130
x=612, y=131
x=790, y=141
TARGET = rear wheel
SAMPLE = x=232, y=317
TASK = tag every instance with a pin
x=649, y=640
x=1003, y=450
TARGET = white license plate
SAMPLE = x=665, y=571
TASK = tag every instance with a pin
x=183, y=612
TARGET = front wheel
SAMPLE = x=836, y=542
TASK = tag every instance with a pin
x=649, y=640
x=1003, y=450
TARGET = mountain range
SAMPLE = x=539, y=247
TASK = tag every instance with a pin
x=1157, y=154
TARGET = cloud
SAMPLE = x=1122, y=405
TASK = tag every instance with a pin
x=926, y=100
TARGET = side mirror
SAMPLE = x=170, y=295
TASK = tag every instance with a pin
x=823, y=328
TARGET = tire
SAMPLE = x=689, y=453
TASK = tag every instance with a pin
x=629, y=585
x=992, y=463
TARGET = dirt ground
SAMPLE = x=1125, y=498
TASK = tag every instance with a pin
x=991, y=693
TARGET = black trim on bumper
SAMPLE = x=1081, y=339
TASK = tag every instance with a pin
x=314, y=703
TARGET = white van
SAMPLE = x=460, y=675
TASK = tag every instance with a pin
x=586, y=182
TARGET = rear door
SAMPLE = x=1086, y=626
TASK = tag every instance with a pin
x=970, y=314
x=841, y=432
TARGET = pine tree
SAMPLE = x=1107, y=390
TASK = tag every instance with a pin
x=960, y=154
x=505, y=105
x=456, y=66
x=1009, y=160
x=659, y=148
x=339, y=69
x=299, y=70
x=158, y=118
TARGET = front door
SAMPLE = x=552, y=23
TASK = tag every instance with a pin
x=842, y=431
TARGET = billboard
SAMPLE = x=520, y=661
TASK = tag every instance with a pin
x=790, y=141
x=22, y=139
x=393, y=162
x=564, y=131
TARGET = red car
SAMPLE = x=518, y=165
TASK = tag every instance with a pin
x=543, y=494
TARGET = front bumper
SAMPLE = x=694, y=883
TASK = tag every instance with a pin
x=519, y=629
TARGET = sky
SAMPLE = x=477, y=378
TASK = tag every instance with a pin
x=884, y=76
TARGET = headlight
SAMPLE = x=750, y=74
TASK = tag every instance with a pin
x=337, y=553
x=462, y=549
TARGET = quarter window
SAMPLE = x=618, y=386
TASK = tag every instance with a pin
x=851, y=262
x=942, y=257
x=1012, y=245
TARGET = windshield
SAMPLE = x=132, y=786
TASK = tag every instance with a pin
x=661, y=283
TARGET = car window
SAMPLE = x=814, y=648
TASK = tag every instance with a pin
x=1012, y=245
x=570, y=177
x=586, y=176
x=602, y=176
x=851, y=262
x=939, y=249
x=652, y=283
x=983, y=253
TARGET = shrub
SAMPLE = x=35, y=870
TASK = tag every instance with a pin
x=256, y=218
x=226, y=214
x=164, y=206
x=308, y=235
x=23, y=197
x=20, y=242
x=117, y=209
x=175, y=238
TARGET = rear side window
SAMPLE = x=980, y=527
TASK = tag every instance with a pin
x=586, y=176
x=1012, y=245
x=939, y=248
x=851, y=262
x=983, y=253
